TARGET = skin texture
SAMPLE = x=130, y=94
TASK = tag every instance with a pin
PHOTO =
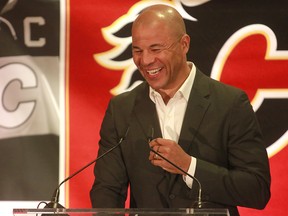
x=159, y=52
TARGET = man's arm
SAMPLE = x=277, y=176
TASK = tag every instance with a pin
x=110, y=186
x=246, y=180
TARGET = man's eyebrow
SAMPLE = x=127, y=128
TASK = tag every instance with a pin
x=151, y=46
x=157, y=45
x=135, y=47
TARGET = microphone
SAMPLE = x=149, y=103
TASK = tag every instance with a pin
x=199, y=199
x=54, y=203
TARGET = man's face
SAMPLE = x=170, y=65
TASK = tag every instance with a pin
x=159, y=55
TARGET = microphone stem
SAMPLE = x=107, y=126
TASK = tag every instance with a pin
x=192, y=177
x=55, y=198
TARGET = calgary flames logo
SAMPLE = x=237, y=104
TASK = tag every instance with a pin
x=248, y=58
x=263, y=77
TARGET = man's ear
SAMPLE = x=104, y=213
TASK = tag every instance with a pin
x=185, y=42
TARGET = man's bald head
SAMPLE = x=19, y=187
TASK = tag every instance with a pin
x=161, y=15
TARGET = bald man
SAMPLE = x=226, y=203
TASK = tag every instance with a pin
x=207, y=129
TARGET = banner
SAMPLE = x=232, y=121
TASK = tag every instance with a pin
x=62, y=61
x=29, y=108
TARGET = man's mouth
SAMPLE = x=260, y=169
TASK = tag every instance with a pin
x=154, y=71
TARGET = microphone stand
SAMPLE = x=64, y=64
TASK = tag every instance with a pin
x=55, y=198
x=199, y=201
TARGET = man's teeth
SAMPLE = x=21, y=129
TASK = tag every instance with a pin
x=152, y=72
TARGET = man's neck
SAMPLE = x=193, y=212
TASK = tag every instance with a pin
x=167, y=94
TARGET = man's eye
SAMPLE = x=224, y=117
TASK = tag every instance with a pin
x=137, y=51
x=156, y=50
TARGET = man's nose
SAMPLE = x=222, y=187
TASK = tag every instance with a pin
x=147, y=58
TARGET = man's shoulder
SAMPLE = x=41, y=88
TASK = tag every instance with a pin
x=133, y=94
x=216, y=84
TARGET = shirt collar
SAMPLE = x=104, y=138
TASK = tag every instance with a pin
x=185, y=88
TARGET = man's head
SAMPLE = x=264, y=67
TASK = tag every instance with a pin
x=160, y=45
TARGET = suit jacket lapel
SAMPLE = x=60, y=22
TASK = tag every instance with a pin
x=198, y=103
x=196, y=108
x=146, y=114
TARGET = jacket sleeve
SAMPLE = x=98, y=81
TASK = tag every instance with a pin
x=245, y=180
x=111, y=182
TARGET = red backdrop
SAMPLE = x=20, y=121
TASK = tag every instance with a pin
x=242, y=42
x=89, y=92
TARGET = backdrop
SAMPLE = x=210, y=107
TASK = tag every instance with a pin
x=61, y=62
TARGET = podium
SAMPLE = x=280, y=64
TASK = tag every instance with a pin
x=124, y=212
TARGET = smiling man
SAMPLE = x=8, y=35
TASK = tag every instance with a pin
x=206, y=128
x=159, y=50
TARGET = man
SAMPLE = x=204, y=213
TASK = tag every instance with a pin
x=206, y=128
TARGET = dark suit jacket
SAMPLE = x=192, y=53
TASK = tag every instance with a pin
x=219, y=129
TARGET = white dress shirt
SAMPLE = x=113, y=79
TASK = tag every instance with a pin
x=171, y=115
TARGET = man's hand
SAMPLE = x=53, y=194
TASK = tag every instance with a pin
x=171, y=151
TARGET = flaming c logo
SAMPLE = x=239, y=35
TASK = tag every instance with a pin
x=251, y=51
x=263, y=76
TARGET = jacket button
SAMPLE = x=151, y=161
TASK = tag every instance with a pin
x=172, y=196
